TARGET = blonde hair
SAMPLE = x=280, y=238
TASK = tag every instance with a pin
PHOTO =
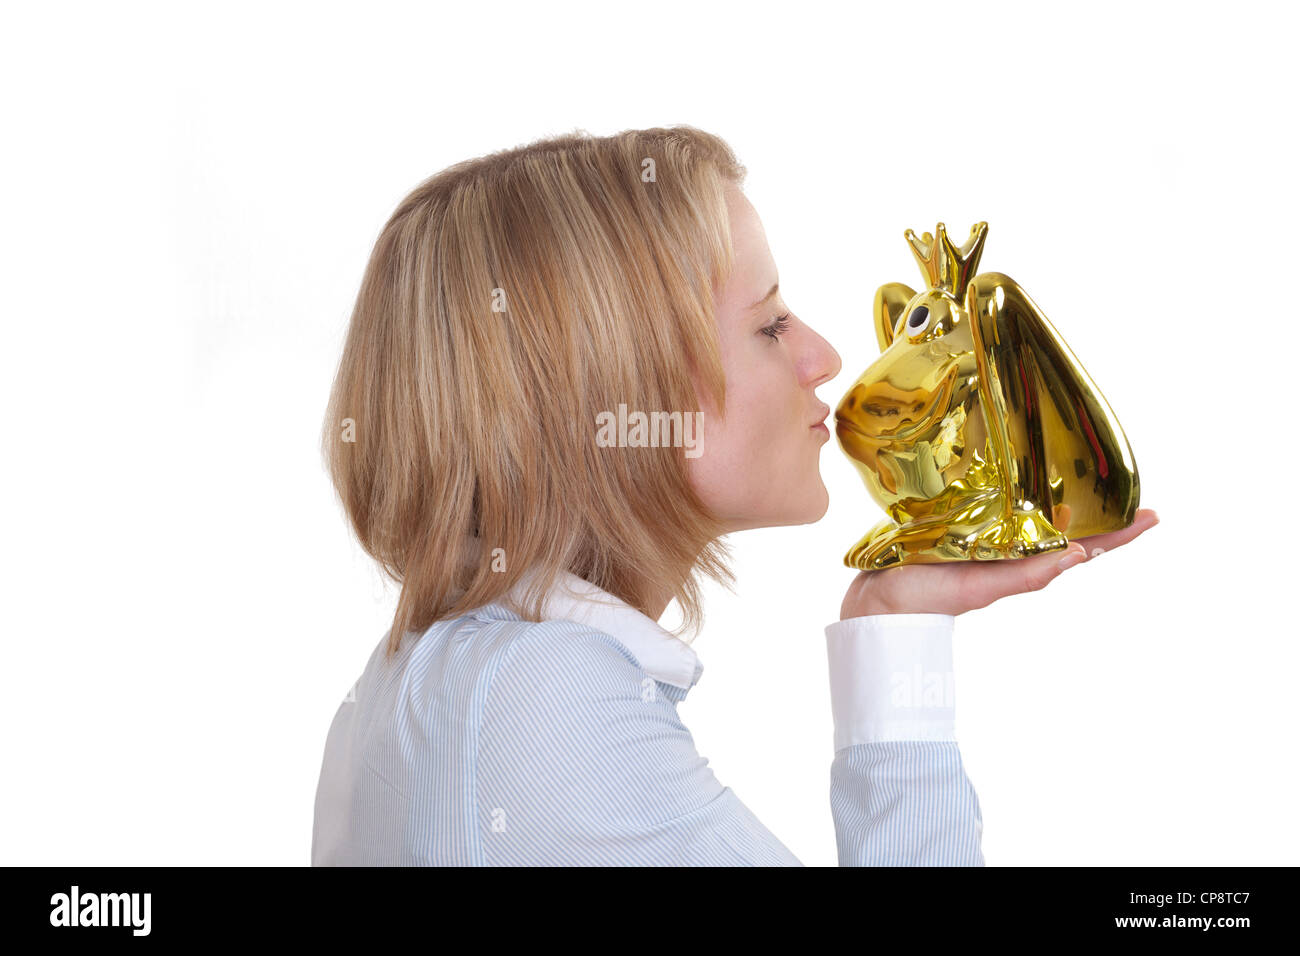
x=602, y=255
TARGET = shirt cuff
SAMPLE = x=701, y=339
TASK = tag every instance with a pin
x=891, y=678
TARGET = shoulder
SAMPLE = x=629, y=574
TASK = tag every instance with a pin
x=472, y=663
x=559, y=675
x=572, y=724
x=569, y=687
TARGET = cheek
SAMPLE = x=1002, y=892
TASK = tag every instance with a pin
x=736, y=451
x=770, y=415
x=765, y=405
x=763, y=445
x=747, y=431
x=762, y=433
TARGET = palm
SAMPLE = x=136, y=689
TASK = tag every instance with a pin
x=959, y=586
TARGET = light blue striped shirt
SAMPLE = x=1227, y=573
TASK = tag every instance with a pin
x=492, y=740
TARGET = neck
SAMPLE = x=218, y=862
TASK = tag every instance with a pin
x=658, y=604
x=657, y=601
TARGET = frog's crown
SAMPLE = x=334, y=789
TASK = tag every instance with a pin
x=944, y=265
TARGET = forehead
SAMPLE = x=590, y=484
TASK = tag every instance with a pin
x=753, y=269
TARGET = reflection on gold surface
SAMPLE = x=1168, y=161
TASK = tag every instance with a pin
x=977, y=429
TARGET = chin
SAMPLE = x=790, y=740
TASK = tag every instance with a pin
x=804, y=507
x=821, y=503
x=815, y=504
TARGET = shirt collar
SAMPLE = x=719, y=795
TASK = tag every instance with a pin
x=661, y=654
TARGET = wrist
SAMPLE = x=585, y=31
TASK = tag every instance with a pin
x=880, y=605
x=869, y=609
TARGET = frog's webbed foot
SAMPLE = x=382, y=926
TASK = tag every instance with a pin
x=856, y=558
x=888, y=544
x=1022, y=535
x=963, y=536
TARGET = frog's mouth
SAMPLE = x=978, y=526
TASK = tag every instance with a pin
x=848, y=426
x=924, y=419
x=902, y=402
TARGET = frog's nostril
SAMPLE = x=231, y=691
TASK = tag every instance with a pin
x=919, y=317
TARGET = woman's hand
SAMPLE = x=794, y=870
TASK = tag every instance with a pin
x=955, y=587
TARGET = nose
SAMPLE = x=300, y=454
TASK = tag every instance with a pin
x=825, y=363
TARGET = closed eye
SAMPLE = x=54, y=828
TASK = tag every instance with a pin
x=777, y=328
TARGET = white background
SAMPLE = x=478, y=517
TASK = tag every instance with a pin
x=189, y=198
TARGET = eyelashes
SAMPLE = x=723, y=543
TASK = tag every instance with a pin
x=777, y=328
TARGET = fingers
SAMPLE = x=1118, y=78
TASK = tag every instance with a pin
x=1041, y=570
x=1096, y=544
x=1074, y=554
x=983, y=582
x=957, y=587
x=1034, y=574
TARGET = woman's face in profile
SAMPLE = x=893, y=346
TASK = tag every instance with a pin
x=759, y=465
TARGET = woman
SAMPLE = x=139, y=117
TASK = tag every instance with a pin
x=569, y=373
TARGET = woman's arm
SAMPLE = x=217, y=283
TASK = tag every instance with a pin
x=899, y=792
x=581, y=757
x=583, y=760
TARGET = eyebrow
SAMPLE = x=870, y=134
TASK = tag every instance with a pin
x=770, y=292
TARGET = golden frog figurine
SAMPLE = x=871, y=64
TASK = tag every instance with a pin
x=978, y=430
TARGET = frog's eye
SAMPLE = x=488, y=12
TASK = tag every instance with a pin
x=918, y=320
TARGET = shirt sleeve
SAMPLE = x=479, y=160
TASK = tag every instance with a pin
x=582, y=760
x=899, y=793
